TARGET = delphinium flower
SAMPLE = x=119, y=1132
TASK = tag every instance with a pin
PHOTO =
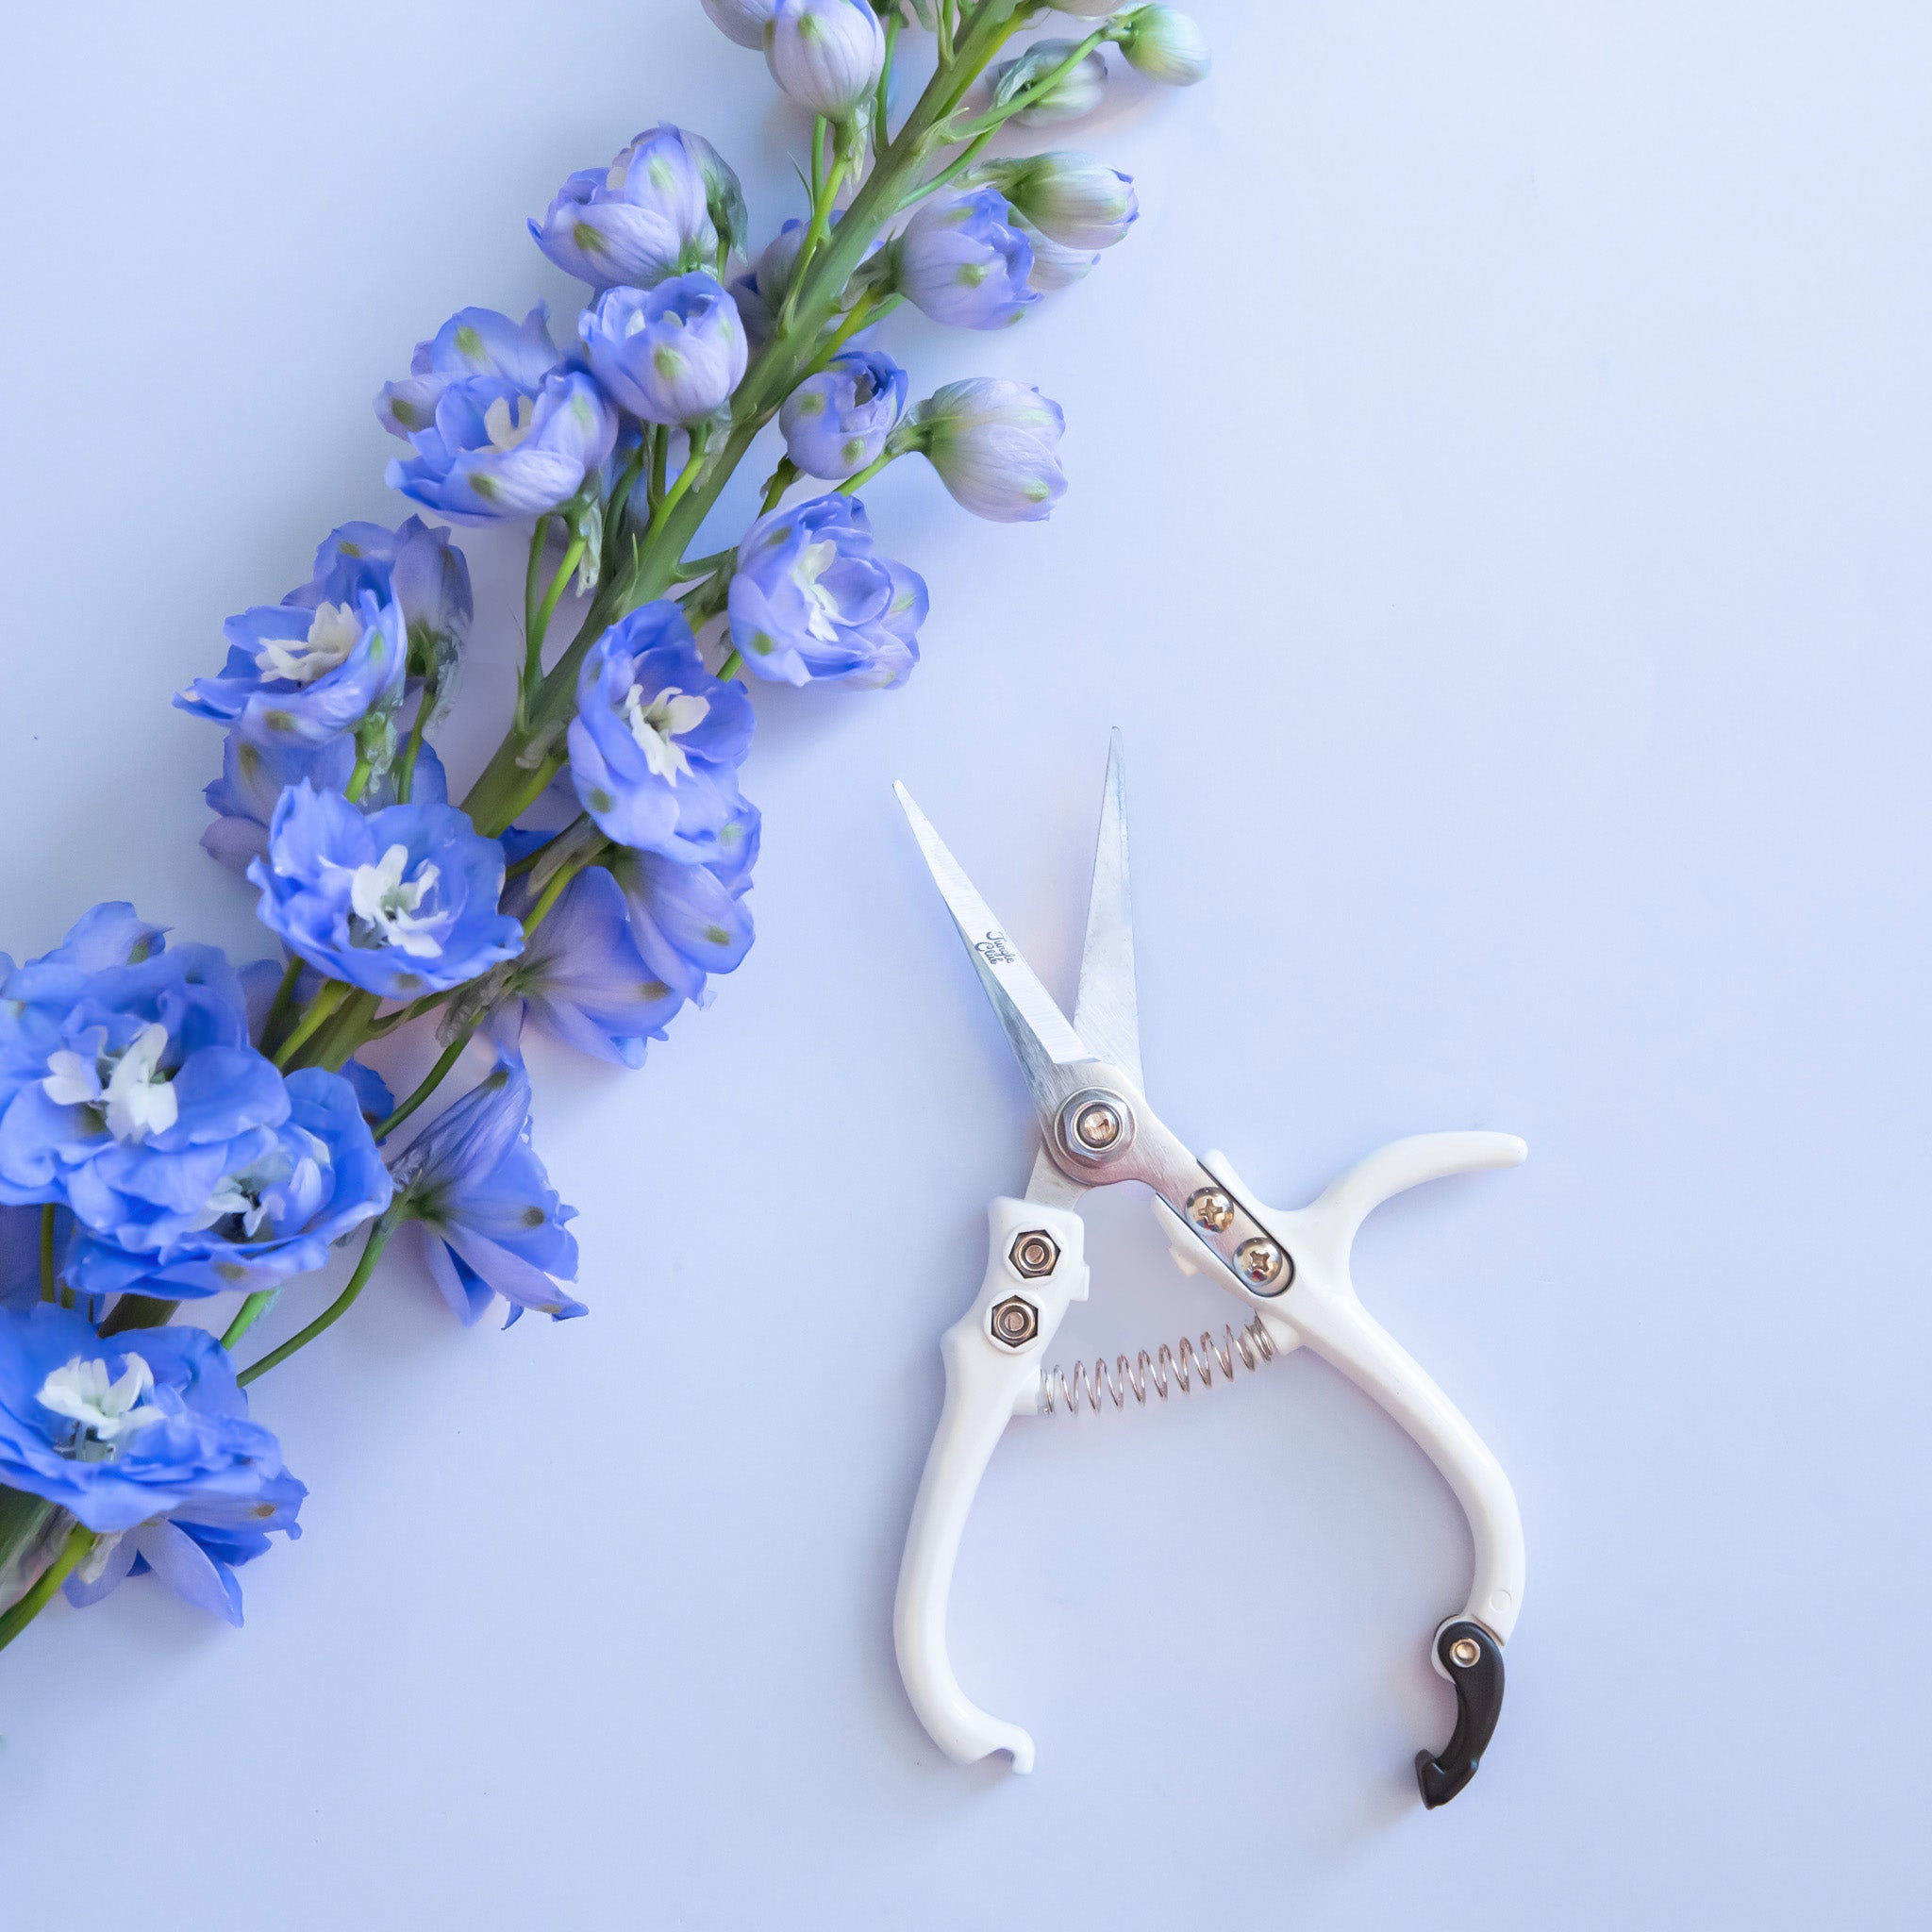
x=132, y=1096
x=254, y=777
x=961, y=260
x=670, y=354
x=499, y=426
x=995, y=445
x=143, y=1434
x=835, y=422
x=580, y=976
x=826, y=54
x=310, y=1178
x=657, y=742
x=494, y=1223
x=689, y=921
x=303, y=672
x=812, y=601
x=400, y=901
x=654, y=212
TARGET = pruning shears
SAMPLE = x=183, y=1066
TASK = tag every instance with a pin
x=1288, y=1271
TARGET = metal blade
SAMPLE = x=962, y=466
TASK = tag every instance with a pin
x=1036, y=1027
x=1107, y=1015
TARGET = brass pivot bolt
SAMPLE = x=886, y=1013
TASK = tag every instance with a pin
x=1259, y=1261
x=1033, y=1254
x=1098, y=1125
x=1015, y=1321
x=1464, y=1651
x=1211, y=1209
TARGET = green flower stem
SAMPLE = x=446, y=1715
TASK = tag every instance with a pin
x=871, y=469
x=327, y=1000
x=555, y=890
x=346, y=1033
x=138, y=1312
x=278, y=1006
x=253, y=1309
x=431, y=1080
x=530, y=859
x=732, y=665
x=359, y=779
x=693, y=462
x=415, y=1010
x=781, y=481
x=47, y=1276
x=868, y=309
x=405, y=766
x=372, y=1253
x=533, y=570
x=533, y=646
x=1031, y=93
x=660, y=440
x=80, y=1540
x=818, y=288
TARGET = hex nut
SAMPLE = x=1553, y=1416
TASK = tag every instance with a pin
x=1015, y=1321
x=1464, y=1651
x=1034, y=1253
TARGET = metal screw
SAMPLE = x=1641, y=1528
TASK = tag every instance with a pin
x=1098, y=1125
x=1015, y=1321
x=1259, y=1261
x=1034, y=1254
x=1212, y=1209
x=1464, y=1651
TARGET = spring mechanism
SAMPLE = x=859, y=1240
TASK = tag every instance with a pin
x=1116, y=1380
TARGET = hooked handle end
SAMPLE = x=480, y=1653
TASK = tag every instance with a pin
x=1472, y=1660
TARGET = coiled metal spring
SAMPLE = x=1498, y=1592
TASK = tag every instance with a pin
x=1181, y=1365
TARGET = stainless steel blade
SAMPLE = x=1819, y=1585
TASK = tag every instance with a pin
x=1107, y=1014
x=1036, y=1029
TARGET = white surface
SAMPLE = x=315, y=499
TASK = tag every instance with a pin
x=1499, y=524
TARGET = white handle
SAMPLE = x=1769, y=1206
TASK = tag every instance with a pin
x=988, y=1380
x=1322, y=1310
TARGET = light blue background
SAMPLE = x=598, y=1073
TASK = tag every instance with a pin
x=1500, y=478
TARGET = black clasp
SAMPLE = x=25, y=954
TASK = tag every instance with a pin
x=1474, y=1659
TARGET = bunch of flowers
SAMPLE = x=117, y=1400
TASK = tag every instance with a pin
x=172, y=1130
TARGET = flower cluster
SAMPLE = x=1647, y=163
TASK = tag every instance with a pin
x=174, y=1132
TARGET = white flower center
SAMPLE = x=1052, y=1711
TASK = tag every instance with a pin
x=506, y=427
x=656, y=727
x=106, y=1410
x=334, y=631
x=134, y=1096
x=387, y=907
x=248, y=1192
x=821, y=610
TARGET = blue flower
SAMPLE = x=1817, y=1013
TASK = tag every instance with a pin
x=656, y=742
x=494, y=1223
x=20, y=1253
x=743, y=21
x=146, y=1424
x=812, y=601
x=311, y=1180
x=303, y=672
x=963, y=261
x=835, y=422
x=671, y=354
x=254, y=777
x=580, y=976
x=648, y=216
x=996, y=446
x=400, y=903
x=197, y=1560
x=689, y=921
x=429, y=575
x=499, y=426
x=129, y=1093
